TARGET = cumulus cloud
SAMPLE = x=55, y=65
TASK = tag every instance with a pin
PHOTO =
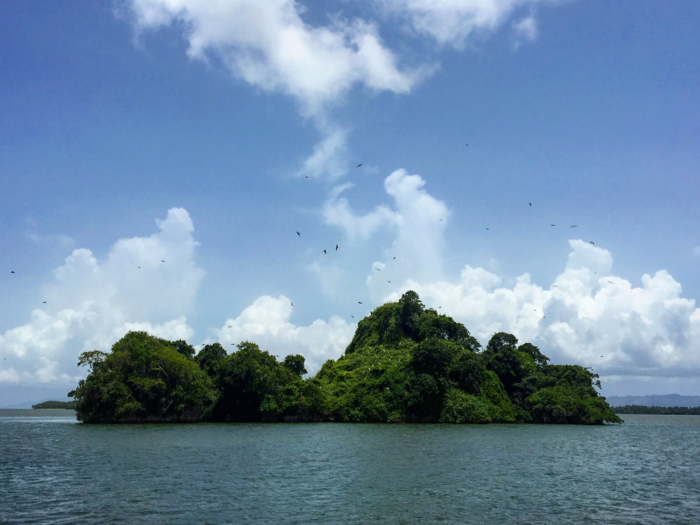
x=587, y=315
x=145, y=283
x=451, y=22
x=266, y=322
x=419, y=220
x=268, y=45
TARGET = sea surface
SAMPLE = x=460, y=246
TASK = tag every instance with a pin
x=54, y=470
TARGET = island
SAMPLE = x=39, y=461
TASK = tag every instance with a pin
x=662, y=411
x=63, y=405
x=405, y=363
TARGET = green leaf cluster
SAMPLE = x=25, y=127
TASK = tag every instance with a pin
x=406, y=363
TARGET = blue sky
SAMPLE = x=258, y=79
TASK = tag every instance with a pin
x=206, y=116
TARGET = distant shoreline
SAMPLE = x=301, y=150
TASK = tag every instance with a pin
x=63, y=405
x=665, y=411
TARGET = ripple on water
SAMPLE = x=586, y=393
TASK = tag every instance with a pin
x=646, y=471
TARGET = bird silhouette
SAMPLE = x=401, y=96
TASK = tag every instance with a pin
x=553, y=224
x=359, y=302
x=440, y=219
x=162, y=260
x=360, y=164
x=378, y=269
x=298, y=234
x=394, y=258
x=324, y=251
x=530, y=204
x=466, y=145
x=229, y=327
x=389, y=282
x=487, y=228
x=352, y=316
x=591, y=242
x=292, y=304
x=12, y=271
x=611, y=282
x=336, y=247
x=574, y=226
x=44, y=302
x=306, y=176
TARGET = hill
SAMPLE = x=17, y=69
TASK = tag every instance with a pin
x=66, y=405
x=406, y=363
x=669, y=400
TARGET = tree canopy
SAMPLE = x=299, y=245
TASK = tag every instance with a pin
x=405, y=363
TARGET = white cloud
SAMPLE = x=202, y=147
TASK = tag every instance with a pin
x=267, y=44
x=526, y=29
x=91, y=304
x=587, y=316
x=266, y=323
x=329, y=158
x=453, y=21
x=420, y=221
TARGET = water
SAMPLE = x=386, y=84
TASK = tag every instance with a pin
x=53, y=470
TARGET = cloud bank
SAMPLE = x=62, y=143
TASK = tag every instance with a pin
x=266, y=322
x=145, y=283
x=588, y=315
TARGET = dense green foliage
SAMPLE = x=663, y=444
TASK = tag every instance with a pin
x=405, y=363
x=66, y=405
x=667, y=411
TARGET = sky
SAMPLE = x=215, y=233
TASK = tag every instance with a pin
x=527, y=166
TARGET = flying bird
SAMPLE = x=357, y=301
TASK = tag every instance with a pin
x=352, y=316
x=378, y=269
x=324, y=251
x=389, y=282
x=466, y=145
x=487, y=228
x=44, y=302
x=336, y=247
x=292, y=304
x=591, y=242
x=553, y=224
x=360, y=164
x=306, y=176
x=394, y=258
x=359, y=302
x=574, y=226
x=162, y=260
x=298, y=234
x=14, y=271
x=530, y=204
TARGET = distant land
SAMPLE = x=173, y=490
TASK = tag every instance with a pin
x=65, y=405
x=664, y=411
x=668, y=400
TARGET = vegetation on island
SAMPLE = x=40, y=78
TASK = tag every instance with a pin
x=66, y=405
x=666, y=411
x=406, y=363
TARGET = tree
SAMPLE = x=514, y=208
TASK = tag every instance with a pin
x=295, y=363
x=144, y=378
x=185, y=349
